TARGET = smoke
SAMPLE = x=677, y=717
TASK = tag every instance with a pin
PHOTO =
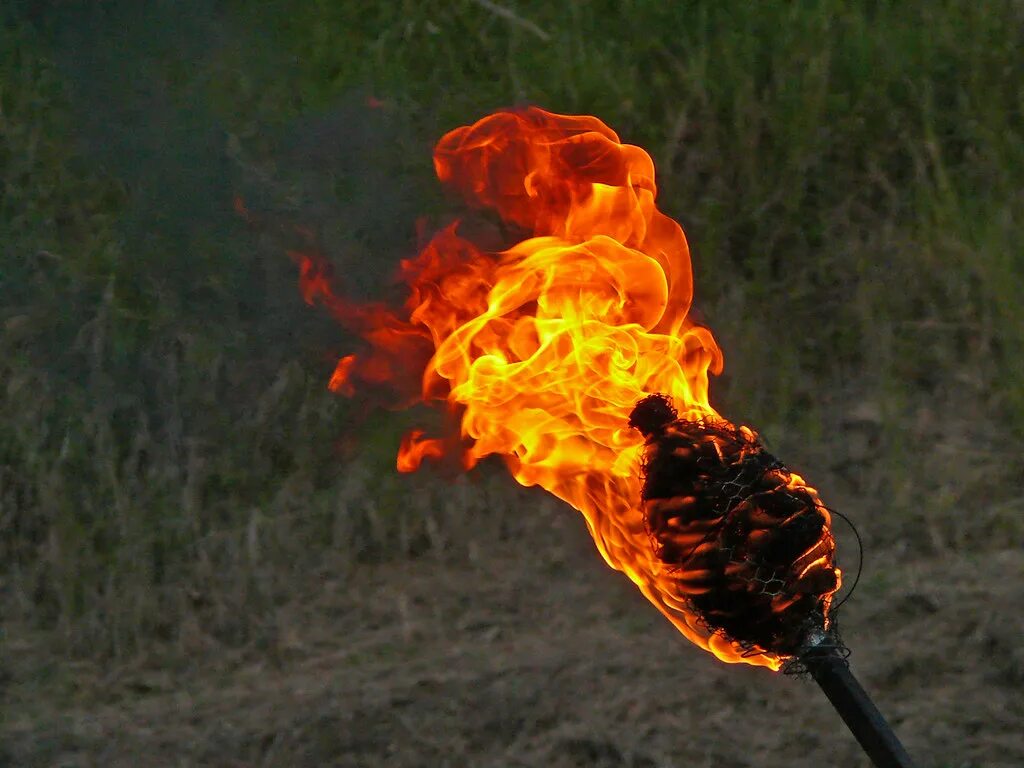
x=144, y=113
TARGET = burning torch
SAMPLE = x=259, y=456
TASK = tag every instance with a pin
x=567, y=350
x=751, y=547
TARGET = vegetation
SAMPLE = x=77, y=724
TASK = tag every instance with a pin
x=850, y=178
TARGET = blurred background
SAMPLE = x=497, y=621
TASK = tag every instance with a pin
x=208, y=559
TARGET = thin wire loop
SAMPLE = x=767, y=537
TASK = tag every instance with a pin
x=860, y=559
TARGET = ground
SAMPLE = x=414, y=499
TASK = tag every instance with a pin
x=536, y=654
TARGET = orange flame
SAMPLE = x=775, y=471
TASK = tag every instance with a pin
x=545, y=347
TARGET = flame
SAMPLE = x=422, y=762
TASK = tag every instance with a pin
x=542, y=349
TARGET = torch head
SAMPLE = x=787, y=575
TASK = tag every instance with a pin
x=748, y=542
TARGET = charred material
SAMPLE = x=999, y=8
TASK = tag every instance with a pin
x=749, y=544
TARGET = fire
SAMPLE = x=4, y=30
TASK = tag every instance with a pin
x=542, y=346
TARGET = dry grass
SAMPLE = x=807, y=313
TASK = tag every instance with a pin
x=174, y=481
x=527, y=651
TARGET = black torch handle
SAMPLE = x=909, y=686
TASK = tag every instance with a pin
x=831, y=671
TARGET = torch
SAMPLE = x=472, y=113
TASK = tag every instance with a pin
x=561, y=342
x=750, y=545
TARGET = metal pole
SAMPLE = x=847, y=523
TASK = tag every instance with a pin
x=831, y=671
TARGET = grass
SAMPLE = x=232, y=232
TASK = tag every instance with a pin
x=849, y=176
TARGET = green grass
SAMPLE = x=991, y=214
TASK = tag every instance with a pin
x=849, y=176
